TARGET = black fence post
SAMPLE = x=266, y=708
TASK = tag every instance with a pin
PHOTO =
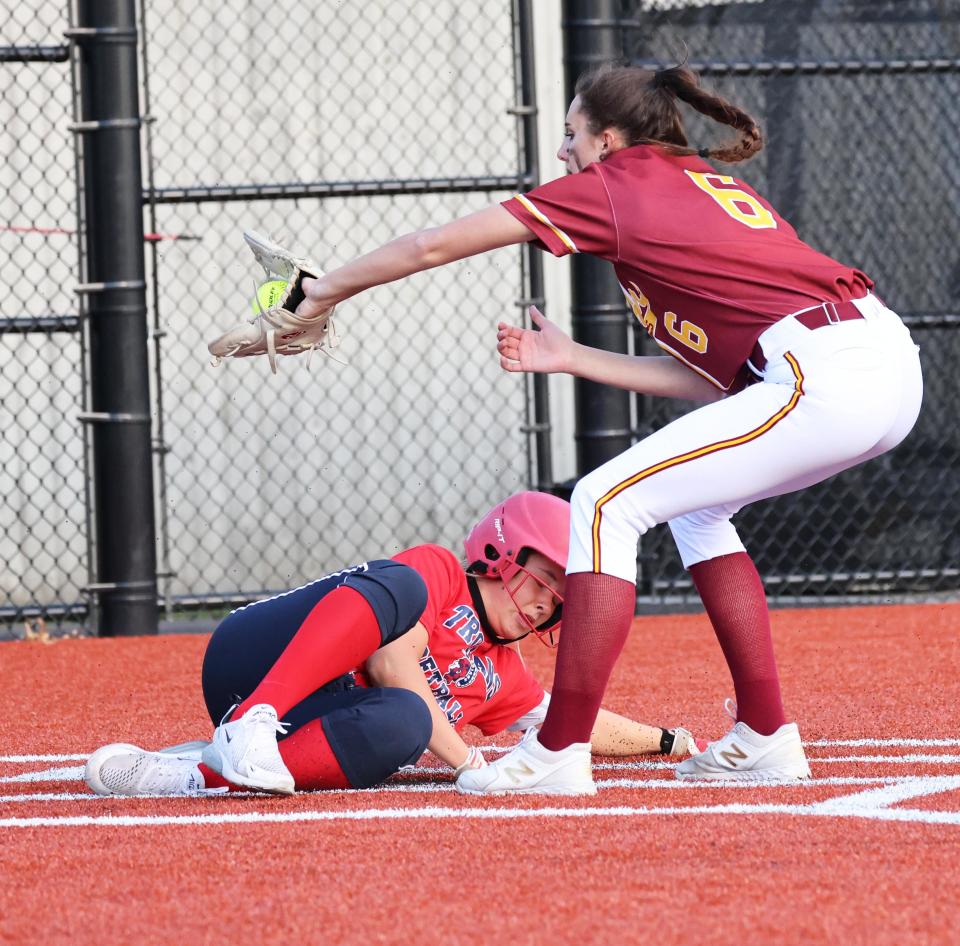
x=526, y=111
x=115, y=289
x=592, y=36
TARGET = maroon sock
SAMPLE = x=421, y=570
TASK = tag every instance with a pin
x=597, y=614
x=732, y=594
x=337, y=635
x=308, y=756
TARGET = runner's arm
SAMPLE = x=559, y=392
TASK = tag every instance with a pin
x=397, y=664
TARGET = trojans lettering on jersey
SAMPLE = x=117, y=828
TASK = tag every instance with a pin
x=472, y=680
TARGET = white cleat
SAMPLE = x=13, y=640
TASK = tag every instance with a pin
x=123, y=769
x=745, y=756
x=245, y=752
x=532, y=769
x=187, y=750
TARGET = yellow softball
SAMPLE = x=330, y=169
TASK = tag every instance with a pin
x=268, y=294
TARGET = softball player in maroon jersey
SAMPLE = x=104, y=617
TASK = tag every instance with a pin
x=806, y=371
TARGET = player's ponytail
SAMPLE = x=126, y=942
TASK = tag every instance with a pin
x=642, y=105
x=684, y=83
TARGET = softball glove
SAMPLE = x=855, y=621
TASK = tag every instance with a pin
x=278, y=330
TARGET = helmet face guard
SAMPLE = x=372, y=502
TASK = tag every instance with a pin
x=548, y=630
x=498, y=546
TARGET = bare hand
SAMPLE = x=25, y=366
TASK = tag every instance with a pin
x=317, y=300
x=546, y=351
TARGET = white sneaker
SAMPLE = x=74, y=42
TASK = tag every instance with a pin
x=122, y=769
x=532, y=769
x=187, y=750
x=746, y=756
x=245, y=751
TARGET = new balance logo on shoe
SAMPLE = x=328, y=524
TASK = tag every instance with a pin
x=731, y=755
x=518, y=772
x=747, y=756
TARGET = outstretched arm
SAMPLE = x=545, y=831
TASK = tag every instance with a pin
x=485, y=230
x=612, y=733
x=552, y=350
x=617, y=735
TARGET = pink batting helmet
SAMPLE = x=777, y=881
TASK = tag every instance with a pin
x=496, y=547
x=530, y=520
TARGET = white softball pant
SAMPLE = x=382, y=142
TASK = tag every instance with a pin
x=829, y=399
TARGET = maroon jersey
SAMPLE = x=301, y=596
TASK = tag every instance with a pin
x=706, y=263
x=473, y=680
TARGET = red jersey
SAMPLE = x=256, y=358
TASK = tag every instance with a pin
x=706, y=263
x=473, y=680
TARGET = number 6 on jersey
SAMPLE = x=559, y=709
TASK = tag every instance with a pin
x=743, y=207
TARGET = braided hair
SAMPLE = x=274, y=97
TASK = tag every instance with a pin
x=642, y=105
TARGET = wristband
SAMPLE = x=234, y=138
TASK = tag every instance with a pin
x=474, y=760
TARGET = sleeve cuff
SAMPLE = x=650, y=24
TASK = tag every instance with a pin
x=548, y=236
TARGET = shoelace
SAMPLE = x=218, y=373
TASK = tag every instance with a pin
x=267, y=721
x=260, y=717
x=262, y=746
x=730, y=708
x=329, y=338
x=266, y=727
x=528, y=735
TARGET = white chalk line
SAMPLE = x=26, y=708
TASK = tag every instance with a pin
x=820, y=743
x=430, y=788
x=74, y=773
x=877, y=798
x=76, y=757
x=924, y=759
x=468, y=814
x=912, y=743
x=873, y=803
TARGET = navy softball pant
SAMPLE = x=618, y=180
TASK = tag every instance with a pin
x=372, y=731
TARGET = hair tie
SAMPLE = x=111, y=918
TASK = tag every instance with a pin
x=658, y=81
x=704, y=152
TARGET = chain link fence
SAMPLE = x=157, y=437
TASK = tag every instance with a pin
x=860, y=103
x=43, y=519
x=336, y=130
x=375, y=119
x=333, y=132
